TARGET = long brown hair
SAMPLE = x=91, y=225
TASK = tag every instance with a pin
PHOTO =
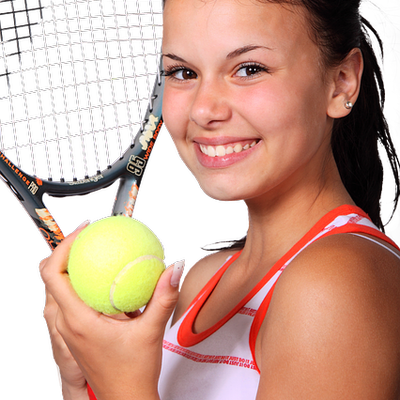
x=337, y=27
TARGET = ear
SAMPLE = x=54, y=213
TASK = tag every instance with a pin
x=346, y=84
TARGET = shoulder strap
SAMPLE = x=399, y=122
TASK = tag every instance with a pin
x=360, y=223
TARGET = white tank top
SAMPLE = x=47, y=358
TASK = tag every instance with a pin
x=220, y=363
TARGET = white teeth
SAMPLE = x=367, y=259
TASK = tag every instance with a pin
x=211, y=151
x=220, y=151
x=238, y=148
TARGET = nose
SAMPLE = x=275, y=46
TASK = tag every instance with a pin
x=210, y=106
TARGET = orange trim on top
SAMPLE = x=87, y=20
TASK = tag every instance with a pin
x=216, y=277
x=186, y=336
x=262, y=310
x=208, y=359
x=354, y=228
x=90, y=393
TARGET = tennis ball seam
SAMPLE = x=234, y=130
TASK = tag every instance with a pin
x=124, y=271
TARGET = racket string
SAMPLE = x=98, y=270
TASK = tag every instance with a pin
x=64, y=91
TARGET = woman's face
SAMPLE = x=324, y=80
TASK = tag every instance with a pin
x=245, y=100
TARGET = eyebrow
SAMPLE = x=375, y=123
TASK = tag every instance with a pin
x=245, y=49
x=174, y=57
x=231, y=55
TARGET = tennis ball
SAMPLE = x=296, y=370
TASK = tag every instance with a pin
x=114, y=265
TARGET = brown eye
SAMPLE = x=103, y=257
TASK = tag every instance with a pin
x=188, y=74
x=250, y=70
x=180, y=74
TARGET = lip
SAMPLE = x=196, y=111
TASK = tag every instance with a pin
x=221, y=140
x=226, y=160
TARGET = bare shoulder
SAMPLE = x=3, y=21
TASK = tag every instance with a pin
x=348, y=262
x=197, y=277
x=333, y=324
x=344, y=262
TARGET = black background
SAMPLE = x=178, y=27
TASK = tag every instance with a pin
x=170, y=202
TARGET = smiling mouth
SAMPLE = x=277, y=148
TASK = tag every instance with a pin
x=221, y=151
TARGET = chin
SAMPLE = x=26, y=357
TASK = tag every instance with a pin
x=221, y=193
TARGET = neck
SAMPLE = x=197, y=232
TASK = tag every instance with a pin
x=276, y=223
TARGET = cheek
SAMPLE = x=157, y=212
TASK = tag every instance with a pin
x=285, y=105
x=176, y=118
x=270, y=109
x=174, y=114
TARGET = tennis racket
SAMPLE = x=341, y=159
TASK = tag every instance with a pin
x=80, y=99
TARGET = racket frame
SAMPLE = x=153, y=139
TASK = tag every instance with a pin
x=128, y=169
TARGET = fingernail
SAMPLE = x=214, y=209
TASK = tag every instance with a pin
x=177, y=273
x=84, y=223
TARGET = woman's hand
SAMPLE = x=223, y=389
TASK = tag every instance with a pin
x=73, y=382
x=119, y=358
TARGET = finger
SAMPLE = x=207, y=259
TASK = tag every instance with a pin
x=54, y=275
x=40, y=265
x=124, y=316
x=60, y=254
x=50, y=313
x=164, y=299
x=64, y=248
x=60, y=350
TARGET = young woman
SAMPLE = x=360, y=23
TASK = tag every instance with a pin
x=277, y=103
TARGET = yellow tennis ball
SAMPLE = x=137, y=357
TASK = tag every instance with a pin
x=114, y=265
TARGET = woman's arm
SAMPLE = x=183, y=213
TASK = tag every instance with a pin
x=333, y=327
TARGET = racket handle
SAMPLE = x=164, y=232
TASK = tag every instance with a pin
x=125, y=198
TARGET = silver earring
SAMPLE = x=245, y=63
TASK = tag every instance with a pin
x=348, y=105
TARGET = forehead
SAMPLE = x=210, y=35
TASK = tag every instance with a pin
x=231, y=21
